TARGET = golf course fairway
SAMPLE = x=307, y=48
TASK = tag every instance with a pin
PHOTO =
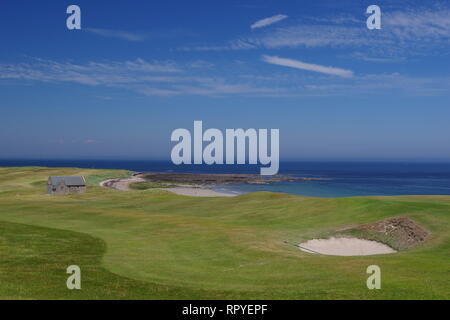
x=153, y=244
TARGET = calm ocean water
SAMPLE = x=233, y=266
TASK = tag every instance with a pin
x=341, y=179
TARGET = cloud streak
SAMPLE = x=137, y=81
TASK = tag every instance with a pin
x=169, y=79
x=296, y=64
x=118, y=34
x=404, y=34
x=157, y=78
x=268, y=21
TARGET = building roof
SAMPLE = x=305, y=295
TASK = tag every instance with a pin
x=68, y=180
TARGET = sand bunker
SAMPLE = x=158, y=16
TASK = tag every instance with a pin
x=345, y=247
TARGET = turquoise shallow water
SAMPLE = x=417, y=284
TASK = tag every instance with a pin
x=340, y=179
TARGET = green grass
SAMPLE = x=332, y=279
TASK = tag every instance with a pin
x=95, y=179
x=150, y=185
x=156, y=245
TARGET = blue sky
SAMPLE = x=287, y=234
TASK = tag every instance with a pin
x=139, y=69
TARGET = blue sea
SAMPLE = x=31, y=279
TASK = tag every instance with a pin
x=338, y=179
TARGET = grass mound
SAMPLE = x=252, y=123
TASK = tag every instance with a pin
x=400, y=233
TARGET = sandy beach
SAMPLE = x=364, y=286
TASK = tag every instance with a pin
x=121, y=184
x=182, y=189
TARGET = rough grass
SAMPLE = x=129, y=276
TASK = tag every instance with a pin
x=150, y=185
x=154, y=244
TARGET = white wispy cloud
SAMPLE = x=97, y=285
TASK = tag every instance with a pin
x=124, y=35
x=291, y=63
x=156, y=78
x=167, y=79
x=91, y=73
x=434, y=23
x=365, y=57
x=202, y=64
x=337, y=19
x=405, y=33
x=385, y=82
x=239, y=44
x=268, y=21
x=310, y=36
x=105, y=73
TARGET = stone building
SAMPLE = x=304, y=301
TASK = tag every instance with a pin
x=66, y=185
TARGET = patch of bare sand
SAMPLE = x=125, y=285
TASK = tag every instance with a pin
x=121, y=184
x=345, y=247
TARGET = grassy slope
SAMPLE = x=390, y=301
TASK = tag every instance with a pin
x=160, y=245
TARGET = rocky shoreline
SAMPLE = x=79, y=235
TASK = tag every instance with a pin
x=217, y=178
